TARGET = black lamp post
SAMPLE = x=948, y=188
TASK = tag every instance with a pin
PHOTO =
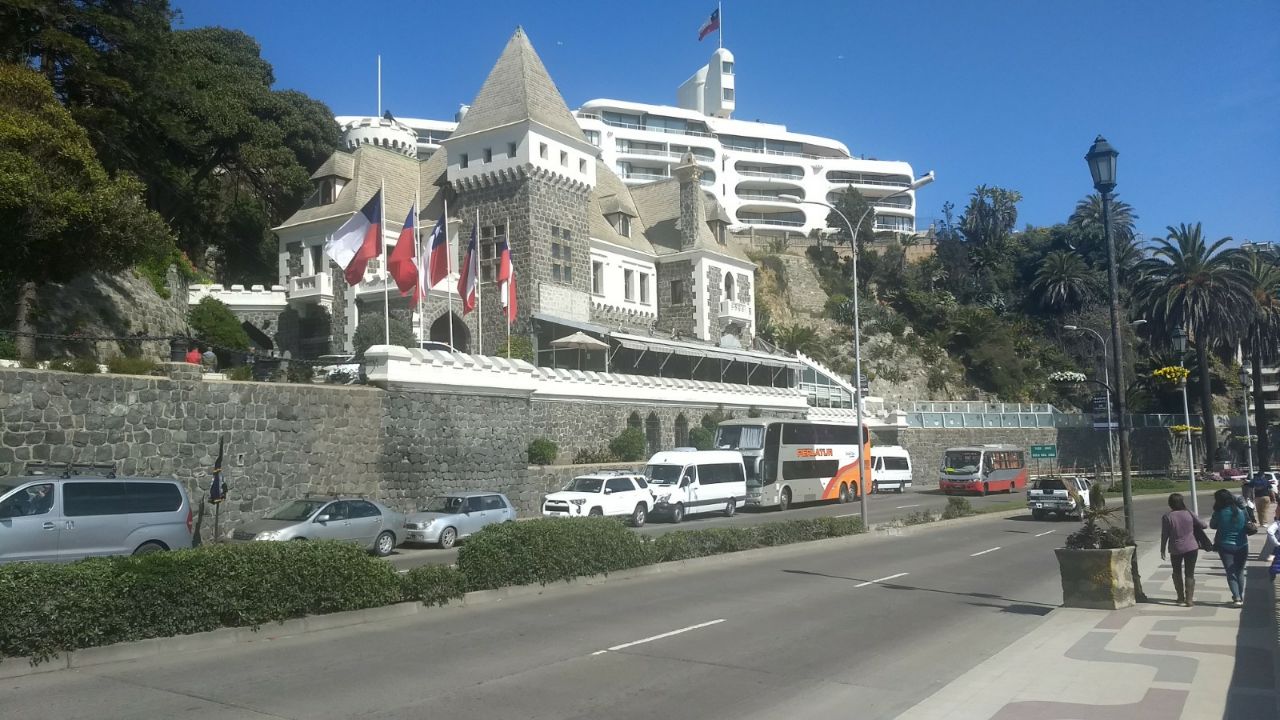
x=1102, y=165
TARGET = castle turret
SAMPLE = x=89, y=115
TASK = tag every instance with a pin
x=385, y=132
x=693, y=211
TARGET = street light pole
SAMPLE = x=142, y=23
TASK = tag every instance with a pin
x=1248, y=436
x=1102, y=166
x=863, y=462
x=1180, y=344
x=1106, y=378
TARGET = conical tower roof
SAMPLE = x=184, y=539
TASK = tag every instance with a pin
x=518, y=88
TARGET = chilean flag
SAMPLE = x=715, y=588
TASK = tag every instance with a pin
x=401, y=261
x=358, y=240
x=710, y=26
x=506, y=281
x=438, y=253
x=469, y=277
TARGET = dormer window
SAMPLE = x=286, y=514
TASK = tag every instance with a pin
x=329, y=190
x=622, y=223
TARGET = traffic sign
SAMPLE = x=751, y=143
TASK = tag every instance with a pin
x=1044, y=451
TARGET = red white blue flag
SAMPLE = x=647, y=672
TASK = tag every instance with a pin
x=438, y=253
x=710, y=26
x=358, y=241
x=401, y=263
x=469, y=277
x=506, y=281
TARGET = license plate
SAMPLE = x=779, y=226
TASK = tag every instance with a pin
x=416, y=536
x=1039, y=505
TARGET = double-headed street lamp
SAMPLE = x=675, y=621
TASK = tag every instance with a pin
x=1180, y=345
x=857, y=325
x=1106, y=378
x=1248, y=436
x=1102, y=165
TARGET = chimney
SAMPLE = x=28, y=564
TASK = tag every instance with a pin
x=693, y=211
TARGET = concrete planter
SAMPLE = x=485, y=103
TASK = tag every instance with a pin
x=1096, y=579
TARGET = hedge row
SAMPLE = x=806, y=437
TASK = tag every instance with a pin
x=49, y=608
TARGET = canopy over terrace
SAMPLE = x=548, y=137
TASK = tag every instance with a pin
x=663, y=357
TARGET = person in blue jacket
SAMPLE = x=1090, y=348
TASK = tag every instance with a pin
x=1231, y=542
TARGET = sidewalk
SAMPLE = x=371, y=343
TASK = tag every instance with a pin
x=1153, y=661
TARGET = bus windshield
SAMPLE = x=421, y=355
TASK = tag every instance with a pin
x=664, y=474
x=961, y=462
x=740, y=437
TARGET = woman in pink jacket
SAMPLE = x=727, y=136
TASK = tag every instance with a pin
x=1178, y=538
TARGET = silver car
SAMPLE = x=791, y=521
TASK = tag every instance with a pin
x=449, y=518
x=372, y=525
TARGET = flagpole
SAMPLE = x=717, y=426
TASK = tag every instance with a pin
x=379, y=86
x=719, y=32
x=448, y=251
x=506, y=235
x=417, y=252
x=382, y=219
x=479, y=288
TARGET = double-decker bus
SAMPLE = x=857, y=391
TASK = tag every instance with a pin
x=798, y=460
x=983, y=469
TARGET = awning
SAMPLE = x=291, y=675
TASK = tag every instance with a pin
x=663, y=346
x=576, y=324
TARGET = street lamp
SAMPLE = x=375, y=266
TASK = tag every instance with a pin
x=1248, y=436
x=1106, y=378
x=863, y=463
x=1102, y=165
x=1180, y=345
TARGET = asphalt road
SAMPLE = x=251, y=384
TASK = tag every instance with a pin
x=882, y=508
x=863, y=629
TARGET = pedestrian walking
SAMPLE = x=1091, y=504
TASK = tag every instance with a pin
x=1264, y=497
x=1229, y=519
x=193, y=355
x=1181, y=534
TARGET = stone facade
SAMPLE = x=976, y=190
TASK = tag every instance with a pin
x=110, y=305
x=677, y=317
x=693, y=211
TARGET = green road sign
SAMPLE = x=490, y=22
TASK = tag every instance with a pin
x=1044, y=451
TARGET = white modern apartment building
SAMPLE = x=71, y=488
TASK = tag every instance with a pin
x=746, y=165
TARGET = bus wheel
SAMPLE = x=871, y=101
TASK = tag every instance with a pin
x=985, y=489
x=731, y=507
x=845, y=497
x=784, y=500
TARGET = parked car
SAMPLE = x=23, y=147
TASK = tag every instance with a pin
x=1063, y=496
x=890, y=468
x=371, y=525
x=610, y=494
x=689, y=481
x=61, y=513
x=448, y=518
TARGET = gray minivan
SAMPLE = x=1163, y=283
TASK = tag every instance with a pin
x=62, y=518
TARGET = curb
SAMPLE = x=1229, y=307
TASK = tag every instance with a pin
x=14, y=667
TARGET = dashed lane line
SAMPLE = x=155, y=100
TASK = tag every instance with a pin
x=984, y=552
x=879, y=580
x=904, y=507
x=1046, y=532
x=624, y=646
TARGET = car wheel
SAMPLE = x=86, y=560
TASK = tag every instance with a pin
x=1037, y=514
x=784, y=501
x=985, y=489
x=845, y=496
x=677, y=513
x=639, y=515
x=596, y=512
x=731, y=507
x=147, y=548
x=385, y=543
x=448, y=537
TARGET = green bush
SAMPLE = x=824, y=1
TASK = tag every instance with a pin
x=121, y=365
x=433, y=584
x=298, y=372
x=243, y=373
x=701, y=438
x=588, y=456
x=549, y=550
x=82, y=365
x=519, y=347
x=542, y=451
x=629, y=445
x=957, y=507
x=920, y=517
x=686, y=544
x=8, y=348
x=50, y=609
x=372, y=330
x=213, y=323
x=1148, y=484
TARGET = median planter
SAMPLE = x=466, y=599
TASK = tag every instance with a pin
x=1097, y=579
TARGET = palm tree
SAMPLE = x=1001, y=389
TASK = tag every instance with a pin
x=798, y=338
x=1263, y=276
x=1186, y=282
x=1064, y=281
x=1087, y=219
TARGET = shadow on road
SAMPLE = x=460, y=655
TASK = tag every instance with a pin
x=900, y=586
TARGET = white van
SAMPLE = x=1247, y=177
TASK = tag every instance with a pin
x=687, y=482
x=890, y=468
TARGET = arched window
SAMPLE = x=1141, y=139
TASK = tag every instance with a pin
x=728, y=286
x=682, y=431
x=653, y=432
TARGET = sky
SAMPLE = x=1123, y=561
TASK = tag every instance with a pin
x=1009, y=94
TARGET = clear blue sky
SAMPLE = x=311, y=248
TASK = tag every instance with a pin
x=999, y=93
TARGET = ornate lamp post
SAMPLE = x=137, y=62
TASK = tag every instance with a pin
x=1102, y=165
x=1180, y=345
x=1248, y=437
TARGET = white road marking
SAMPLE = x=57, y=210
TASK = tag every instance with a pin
x=659, y=637
x=1046, y=532
x=847, y=515
x=984, y=552
x=903, y=507
x=879, y=580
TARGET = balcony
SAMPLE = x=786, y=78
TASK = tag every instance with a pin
x=735, y=310
x=656, y=128
x=774, y=174
x=766, y=197
x=771, y=222
x=306, y=289
x=856, y=178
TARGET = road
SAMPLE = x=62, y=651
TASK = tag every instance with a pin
x=882, y=508
x=864, y=628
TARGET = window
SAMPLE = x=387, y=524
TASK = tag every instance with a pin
x=644, y=288
x=542, y=150
x=561, y=261
x=143, y=497
x=641, y=482
x=317, y=259
x=895, y=463
x=582, y=166
x=619, y=485
x=463, y=160
x=629, y=285
x=726, y=67
x=32, y=500
x=511, y=150
x=677, y=292
x=337, y=511
x=593, y=137
x=728, y=94
x=622, y=223
x=93, y=498
x=728, y=286
x=809, y=469
x=494, y=502
x=597, y=277
x=475, y=504
x=721, y=473
x=797, y=434
x=488, y=155
x=488, y=259
x=564, y=159
x=326, y=191
x=362, y=509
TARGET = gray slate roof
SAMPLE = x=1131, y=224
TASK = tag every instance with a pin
x=659, y=206
x=370, y=167
x=518, y=88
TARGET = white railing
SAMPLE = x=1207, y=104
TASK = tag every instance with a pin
x=633, y=175
x=734, y=309
x=306, y=286
x=780, y=153
x=762, y=196
x=772, y=221
x=840, y=176
x=778, y=175
x=649, y=128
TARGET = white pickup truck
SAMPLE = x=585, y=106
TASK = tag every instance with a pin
x=1057, y=495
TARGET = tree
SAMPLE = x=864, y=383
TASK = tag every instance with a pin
x=62, y=213
x=1263, y=278
x=1187, y=282
x=372, y=330
x=213, y=323
x=801, y=339
x=855, y=207
x=1064, y=281
x=1088, y=221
